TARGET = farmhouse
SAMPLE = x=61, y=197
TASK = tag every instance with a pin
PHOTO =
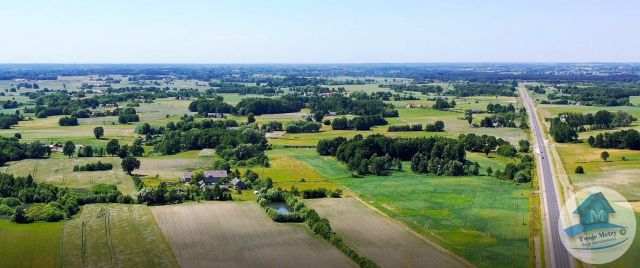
x=411, y=106
x=57, y=147
x=210, y=176
x=238, y=184
x=215, y=115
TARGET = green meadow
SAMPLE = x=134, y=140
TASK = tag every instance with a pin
x=30, y=245
x=481, y=218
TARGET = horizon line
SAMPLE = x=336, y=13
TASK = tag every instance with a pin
x=319, y=63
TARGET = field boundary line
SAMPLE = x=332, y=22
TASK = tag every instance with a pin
x=434, y=244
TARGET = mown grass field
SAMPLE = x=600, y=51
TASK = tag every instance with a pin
x=240, y=234
x=173, y=166
x=114, y=235
x=631, y=258
x=30, y=245
x=47, y=130
x=59, y=171
x=615, y=173
x=454, y=126
x=620, y=175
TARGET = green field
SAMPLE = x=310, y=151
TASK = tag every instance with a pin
x=482, y=219
x=479, y=218
x=30, y=245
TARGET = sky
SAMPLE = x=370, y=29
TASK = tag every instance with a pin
x=322, y=31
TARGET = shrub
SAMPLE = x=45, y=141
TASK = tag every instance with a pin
x=437, y=126
x=336, y=193
x=416, y=127
x=68, y=121
x=314, y=193
x=11, y=202
x=6, y=210
x=302, y=126
x=93, y=167
x=138, y=183
x=579, y=170
x=50, y=212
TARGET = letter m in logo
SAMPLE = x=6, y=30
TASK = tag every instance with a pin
x=598, y=216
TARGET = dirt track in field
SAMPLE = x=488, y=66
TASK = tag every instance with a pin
x=385, y=241
x=239, y=234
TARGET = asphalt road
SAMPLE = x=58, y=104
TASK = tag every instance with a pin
x=559, y=255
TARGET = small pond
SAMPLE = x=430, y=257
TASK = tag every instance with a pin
x=280, y=207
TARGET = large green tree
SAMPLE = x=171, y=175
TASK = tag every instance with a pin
x=129, y=164
x=113, y=147
x=98, y=132
x=69, y=148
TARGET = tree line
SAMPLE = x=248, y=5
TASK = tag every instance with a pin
x=623, y=139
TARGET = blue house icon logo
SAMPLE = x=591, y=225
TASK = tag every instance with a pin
x=594, y=214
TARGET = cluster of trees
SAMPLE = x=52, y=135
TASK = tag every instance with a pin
x=258, y=106
x=9, y=104
x=12, y=150
x=302, y=126
x=562, y=132
x=343, y=105
x=480, y=143
x=317, y=193
x=379, y=95
x=437, y=126
x=8, y=120
x=272, y=126
x=602, y=119
x=97, y=166
x=483, y=89
x=242, y=145
x=499, y=109
x=602, y=94
x=624, y=139
x=414, y=127
x=253, y=105
x=211, y=105
x=299, y=212
x=242, y=89
x=442, y=104
x=431, y=164
x=68, y=121
x=499, y=120
x=358, y=122
x=128, y=115
x=172, y=195
x=30, y=201
x=424, y=89
x=507, y=150
x=520, y=172
x=89, y=151
x=565, y=127
x=378, y=154
x=537, y=89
